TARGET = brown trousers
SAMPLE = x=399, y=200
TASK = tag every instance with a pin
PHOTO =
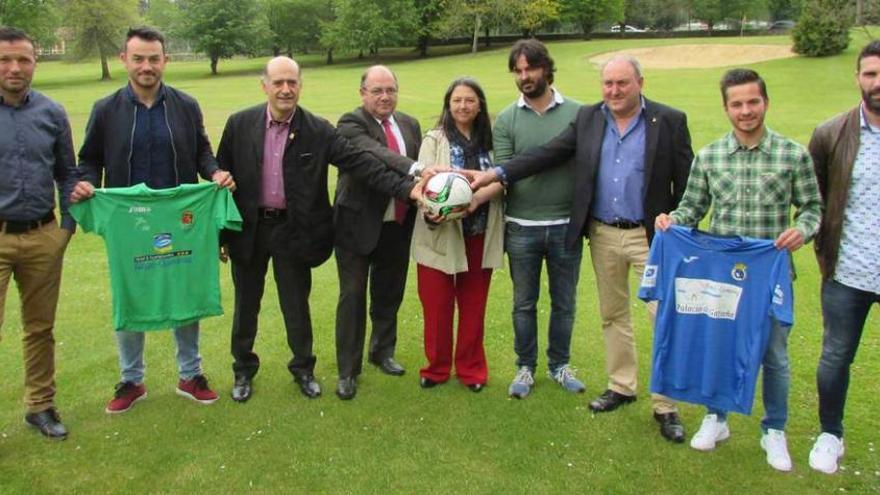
x=34, y=259
x=614, y=251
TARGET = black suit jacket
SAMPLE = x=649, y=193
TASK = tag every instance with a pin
x=358, y=209
x=307, y=233
x=668, y=157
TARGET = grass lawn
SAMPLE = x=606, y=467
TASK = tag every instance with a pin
x=395, y=437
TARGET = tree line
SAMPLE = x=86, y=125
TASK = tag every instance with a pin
x=221, y=29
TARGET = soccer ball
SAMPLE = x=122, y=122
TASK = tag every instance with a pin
x=447, y=194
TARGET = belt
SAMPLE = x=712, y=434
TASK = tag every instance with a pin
x=271, y=213
x=18, y=227
x=623, y=224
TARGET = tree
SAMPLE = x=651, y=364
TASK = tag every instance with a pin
x=38, y=18
x=368, y=25
x=823, y=28
x=784, y=9
x=223, y=28
x=295, y=24
x=536, y=14
x=428, y=14
x=99, y=27
x=588, y=13
x=164, y=15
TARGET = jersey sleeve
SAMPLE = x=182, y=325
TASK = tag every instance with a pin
x=782, y=306
x=651, y=288
x=225, y=211
x=87, y=214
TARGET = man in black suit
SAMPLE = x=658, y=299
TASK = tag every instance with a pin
x=373, y=232
x=279, y=154
x=632, y=160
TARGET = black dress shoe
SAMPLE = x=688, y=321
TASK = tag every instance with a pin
x=48, y=422
x=610, y=400
x=389, y=366
x=241, y=389
x=670, y=426
x=308, y=386
x=346, y=388
x=427, y=383
x=476, y=387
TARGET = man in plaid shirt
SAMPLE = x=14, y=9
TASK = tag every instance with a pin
x=752, y=177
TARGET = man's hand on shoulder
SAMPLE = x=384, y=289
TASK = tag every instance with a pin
x=82, y=191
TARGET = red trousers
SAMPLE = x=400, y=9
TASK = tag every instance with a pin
x=439, y=293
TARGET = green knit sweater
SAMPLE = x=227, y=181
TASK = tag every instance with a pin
x=547, y=195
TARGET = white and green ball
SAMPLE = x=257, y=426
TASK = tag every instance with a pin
x=447, y=194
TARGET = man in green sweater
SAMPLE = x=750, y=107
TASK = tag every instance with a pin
x=537, y=217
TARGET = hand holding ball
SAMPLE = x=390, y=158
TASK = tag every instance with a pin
x=447, y=195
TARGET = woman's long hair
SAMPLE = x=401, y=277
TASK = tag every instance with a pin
x=481, y=134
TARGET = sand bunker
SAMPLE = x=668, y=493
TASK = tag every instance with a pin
x=700, y=56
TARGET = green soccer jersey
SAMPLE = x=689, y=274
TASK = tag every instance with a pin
x=162, y=248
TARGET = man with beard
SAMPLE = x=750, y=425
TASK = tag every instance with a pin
x=149, y=132
x=632, y=157
x=536, y=218
x=847, y=163
x=751, y=178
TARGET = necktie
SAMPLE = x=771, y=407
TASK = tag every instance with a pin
x=400, y=208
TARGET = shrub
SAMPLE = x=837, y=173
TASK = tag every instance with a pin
x=823, y=28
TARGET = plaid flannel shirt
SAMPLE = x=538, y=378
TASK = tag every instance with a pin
x=752, y=190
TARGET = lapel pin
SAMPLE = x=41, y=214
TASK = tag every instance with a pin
x=653, y=120
x=292, y=136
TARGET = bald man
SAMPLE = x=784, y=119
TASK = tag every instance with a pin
x=373, y=232
x=279, y=152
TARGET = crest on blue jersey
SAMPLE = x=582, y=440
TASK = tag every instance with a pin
x=739, y=272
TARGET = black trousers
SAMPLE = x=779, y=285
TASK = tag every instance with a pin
x=385, y=268
x=294, y=283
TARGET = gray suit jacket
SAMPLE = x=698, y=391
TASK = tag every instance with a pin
x=358, y=209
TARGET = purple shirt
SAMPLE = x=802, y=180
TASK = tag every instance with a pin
x=272, y=190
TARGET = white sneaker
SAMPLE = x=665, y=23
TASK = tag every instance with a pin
x=827, y=450
x=773, y=442
x=711, y=432
x=522, y=383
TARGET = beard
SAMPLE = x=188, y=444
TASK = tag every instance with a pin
x=870, y=103
x=539, y=86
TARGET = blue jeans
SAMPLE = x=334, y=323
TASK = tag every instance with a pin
x=844, y=311
x=527, y=248
x=131, y=353
x=776, y=376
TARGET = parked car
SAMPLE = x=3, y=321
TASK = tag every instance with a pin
x=626, y=29
x=781, y=26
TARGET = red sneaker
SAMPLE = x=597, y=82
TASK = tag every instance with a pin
x=197, y=389
x=126, y=395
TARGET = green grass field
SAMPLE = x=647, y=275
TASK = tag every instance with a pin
x=395, y=437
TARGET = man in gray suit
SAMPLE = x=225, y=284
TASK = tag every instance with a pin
x=372, y=232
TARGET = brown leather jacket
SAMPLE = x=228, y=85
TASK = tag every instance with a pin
x=834, y=146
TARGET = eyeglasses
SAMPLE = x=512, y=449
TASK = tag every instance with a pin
x=381, y=91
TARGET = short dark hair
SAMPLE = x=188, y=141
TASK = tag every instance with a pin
x=482, y=132
x=10, y=34
x=738, y=77
x=145, y=33
x=536, y=55
x=872, y=49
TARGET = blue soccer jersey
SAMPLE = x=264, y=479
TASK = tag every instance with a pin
x=717, y=298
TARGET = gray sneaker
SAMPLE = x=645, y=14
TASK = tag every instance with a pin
x=522, y=383
x=564, y=376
